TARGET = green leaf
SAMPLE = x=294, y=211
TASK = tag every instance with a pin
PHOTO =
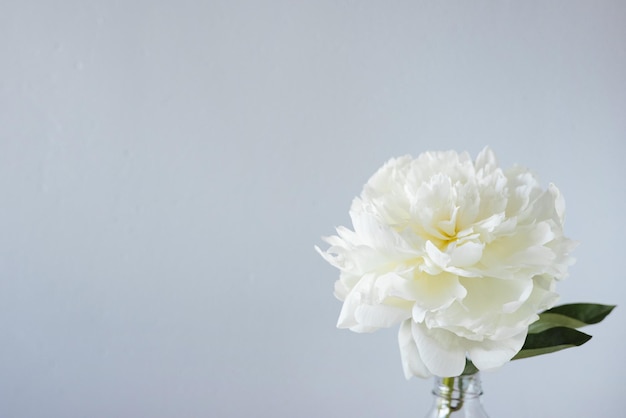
x=589, y=313
x=469, y=368
x=551, y=320
x=551, y=340
x=573, y=315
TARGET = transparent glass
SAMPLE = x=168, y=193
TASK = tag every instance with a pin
x=457, y=397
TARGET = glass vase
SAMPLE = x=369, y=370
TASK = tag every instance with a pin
x=457, y=397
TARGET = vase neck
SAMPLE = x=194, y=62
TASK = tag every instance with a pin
x=460, y=387
x=457, y=397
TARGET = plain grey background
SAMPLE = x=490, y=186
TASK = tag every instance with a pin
x=167, y=167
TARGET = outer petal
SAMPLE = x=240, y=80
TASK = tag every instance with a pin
x=490, y=354
x=362, y=311
x=412, y=363
x=486, y=160
x=440, y=350
x=347, y=316
x=380, y=316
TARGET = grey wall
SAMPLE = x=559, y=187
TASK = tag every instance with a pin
x=167, y=167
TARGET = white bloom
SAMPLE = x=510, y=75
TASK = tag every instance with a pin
x=458, y=252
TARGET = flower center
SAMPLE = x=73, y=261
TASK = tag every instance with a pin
x=442, y=230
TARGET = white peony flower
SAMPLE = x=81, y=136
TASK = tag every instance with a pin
x=458, y=252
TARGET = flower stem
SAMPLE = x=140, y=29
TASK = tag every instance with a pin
x=445, y=407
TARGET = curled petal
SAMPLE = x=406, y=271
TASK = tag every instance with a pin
x=440, y=350
x=490, y=354
x=412, y=363
x=354, y=299
x=380, y=316
x=467, y=254
x=438, y=257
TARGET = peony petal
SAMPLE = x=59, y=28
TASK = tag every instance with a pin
x=380, y=316
x=341, y=290
x=331, y=259
x=412, y=363
x=346, y=316
x=490, y=295
x=481, y=314
x=433, y=293
x=486, y=160
x=490, y=354
x=524, y=289
x=363, y=311
x=418, y=313
x=559, y=202
x=440, y=350
x=490, y=224
x=438, y=257
x=354, y=299
x=467, y=254
x=375, y=233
